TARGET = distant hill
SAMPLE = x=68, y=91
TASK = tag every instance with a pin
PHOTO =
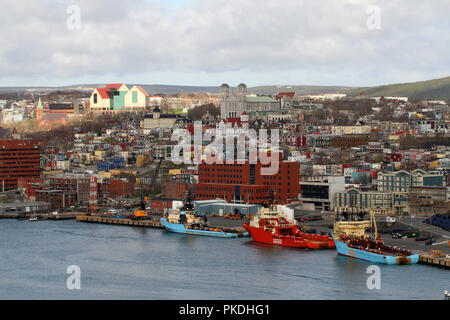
x=299, y=90
x=173, y=89
x=437, y=89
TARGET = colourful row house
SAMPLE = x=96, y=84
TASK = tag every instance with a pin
x=118, y=98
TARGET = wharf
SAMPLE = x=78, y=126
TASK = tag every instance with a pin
x=151, y=223
x=427, y=258
x=64, y=215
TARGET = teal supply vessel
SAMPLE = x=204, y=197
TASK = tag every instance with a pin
x=352, y=240
x=184, y=221
x=344, y=249
x=202, y=230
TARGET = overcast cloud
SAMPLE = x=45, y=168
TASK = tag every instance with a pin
x=207, y=42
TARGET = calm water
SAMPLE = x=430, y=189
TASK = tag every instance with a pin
x=120, y=262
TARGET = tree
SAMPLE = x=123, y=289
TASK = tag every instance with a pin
x=378, y=158
x=196, y=113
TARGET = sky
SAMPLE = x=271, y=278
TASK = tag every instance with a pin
x=210, y=42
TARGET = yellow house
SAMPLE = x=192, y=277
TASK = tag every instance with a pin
x=433, y=164
x=141, y=159
x=174, y=172
x=99, y=154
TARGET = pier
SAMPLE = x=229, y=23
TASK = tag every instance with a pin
x=64, y=215
x=428, y=258
x=150, y=223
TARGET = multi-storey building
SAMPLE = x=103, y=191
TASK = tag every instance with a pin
x=72, y=182
x=18, y=159
x=349, y=141
x=400, y=181
x=317, y=192
x=356, y=201
x=244, y=182
x=428, y=200
x=58, y=199
x=342, y=130
x=118, y=97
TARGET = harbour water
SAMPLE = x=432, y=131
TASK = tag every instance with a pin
x=118, y=262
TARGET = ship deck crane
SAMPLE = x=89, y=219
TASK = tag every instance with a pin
x=144, y=198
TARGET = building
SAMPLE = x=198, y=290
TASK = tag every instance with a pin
x=317, y=192
x=15, y=209
x=120, y=188
x=18, y=159
x=344, y=130
x=245, y=183
x=58, y=199
x=354, y=201
x=349, y=141
x=160, y=205
x=29, y=186
x=117, y=98
x=285, y=98
x=219, y=206
x=400, y=181
x=428, y=200
x=174, y=190
x=232, y=105
x=72, y=182
x=156, y=120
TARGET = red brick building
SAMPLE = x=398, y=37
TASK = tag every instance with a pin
x=174, y=190
x=158, y=205
x=30, y=186
x=57, y=198
x=120, y=188
x=72, y=182
x=349, y=141
x=245, y=182
x=18, y=159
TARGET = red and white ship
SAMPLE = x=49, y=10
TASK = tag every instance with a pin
x=271, y=226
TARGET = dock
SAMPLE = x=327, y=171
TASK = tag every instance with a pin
x=64, y=215
x=150, y=223
x=428, y=258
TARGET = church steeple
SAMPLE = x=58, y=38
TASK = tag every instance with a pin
x=39, y=106
x=39, y=110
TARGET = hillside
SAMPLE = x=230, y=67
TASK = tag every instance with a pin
x=437, y=89
x=300, y=90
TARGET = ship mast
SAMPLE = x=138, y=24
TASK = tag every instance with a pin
x=373, y=222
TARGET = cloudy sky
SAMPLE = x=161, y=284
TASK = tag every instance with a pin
x=208, y=42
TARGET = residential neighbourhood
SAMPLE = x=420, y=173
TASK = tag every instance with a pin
x=336, y=152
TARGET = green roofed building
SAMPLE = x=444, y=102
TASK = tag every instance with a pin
x=233, y=105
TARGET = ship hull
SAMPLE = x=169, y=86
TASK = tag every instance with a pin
x=343, y=249
x=181, y=228
x=266, y=236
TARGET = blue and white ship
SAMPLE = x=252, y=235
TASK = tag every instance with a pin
x=201, y=229
x=184, y=220
x=353, y=241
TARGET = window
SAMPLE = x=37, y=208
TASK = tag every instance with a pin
x=134, y=97
x=95, y=98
